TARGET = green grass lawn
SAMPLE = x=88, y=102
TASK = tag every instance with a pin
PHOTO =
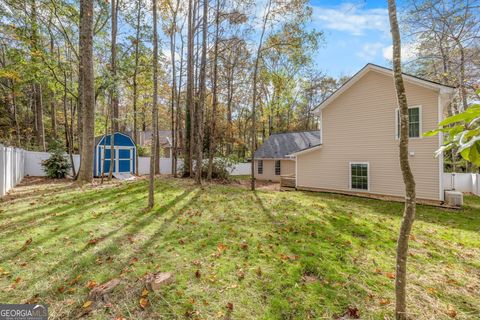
x=270, y=255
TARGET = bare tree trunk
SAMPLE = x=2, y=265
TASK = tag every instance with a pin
x=211, y=149
x=85, y=173
x=113, y=90
x=15, y=115
x=153, y=155
x=39, y=116
x=463, y=90
x=174, y=89
x=408, y=179
x=80, y=98
x=179, y=130
x=102, y=172
x=254, y=97
x=203, y=95
x=157, y=152
x=230, y=93
x=135, y=84
x=37, y=87
x=53, y=103
x=68, y=140
x=187, y=158
x=113, y=65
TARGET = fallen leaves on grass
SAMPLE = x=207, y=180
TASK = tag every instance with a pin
x=144, y=293
x=452, y=313
x=75, y=280
x=3, y=272
x=95, y=240
x=91, y=284
x=196, y=262
x=27, y=243
x=33, y=299
x=221, y=248
x=230, y=306
x=198, y=275
x=390, y=275
x=15, y=282
x=384, y=302
x=244, y=245
x=143, y=302
x=87, y=304
x=432, y=290
x=240, y=274
x=350, y=313
x=285, y=257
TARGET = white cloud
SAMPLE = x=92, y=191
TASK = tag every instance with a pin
x=409, y=52
x=351, y=18
x=370, y=50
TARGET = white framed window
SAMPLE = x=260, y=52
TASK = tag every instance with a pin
x=278, y=168
x=359, y=176
x=414, y=122
x=260, y=166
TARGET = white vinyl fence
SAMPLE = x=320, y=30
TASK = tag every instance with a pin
x=165, y=165
x=12, y=167
x=33, y=164
x=464, y=182
x=241, y=169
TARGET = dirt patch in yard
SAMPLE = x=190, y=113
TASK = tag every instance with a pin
x=260, y=185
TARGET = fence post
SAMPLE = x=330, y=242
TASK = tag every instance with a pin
x=12, y=168
x=3, y=186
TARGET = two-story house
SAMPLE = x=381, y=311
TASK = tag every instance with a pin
x=359, y=132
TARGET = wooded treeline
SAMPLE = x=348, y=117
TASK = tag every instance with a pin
x=207, y=54
x=230, y=73
x=446, y=41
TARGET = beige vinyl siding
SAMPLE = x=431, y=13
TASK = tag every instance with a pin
x=359, y=126
x=286, y=167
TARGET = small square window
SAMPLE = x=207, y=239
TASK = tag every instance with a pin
x=277, y=167
x=359, y=176
x=414, y=122
x=260, y=167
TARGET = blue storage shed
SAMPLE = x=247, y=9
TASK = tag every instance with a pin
x=124, y=154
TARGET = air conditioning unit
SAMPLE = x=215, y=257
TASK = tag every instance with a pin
x=454, y=198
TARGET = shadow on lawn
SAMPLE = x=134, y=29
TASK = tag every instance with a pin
x=86, y=202
x=115, y=239
x=466, y=218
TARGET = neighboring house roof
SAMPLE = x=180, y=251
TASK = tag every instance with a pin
x=280, y=145
x=165, y=137
x=373, y=67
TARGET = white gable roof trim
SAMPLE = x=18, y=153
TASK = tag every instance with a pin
x=372, y=67
x=294, y=154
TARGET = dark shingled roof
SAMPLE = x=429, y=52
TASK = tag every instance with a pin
x=281, y=144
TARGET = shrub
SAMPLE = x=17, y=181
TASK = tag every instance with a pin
x=221, y=169
x=57, y=166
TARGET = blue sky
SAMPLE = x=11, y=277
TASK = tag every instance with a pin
x=356, y=32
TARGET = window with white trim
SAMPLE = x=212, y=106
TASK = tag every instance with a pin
x=277, y=167
x=359, y=176
x=260, y=167
x=414, y=122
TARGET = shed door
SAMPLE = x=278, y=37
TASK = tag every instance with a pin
x=125, y=158
x=105, y=160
